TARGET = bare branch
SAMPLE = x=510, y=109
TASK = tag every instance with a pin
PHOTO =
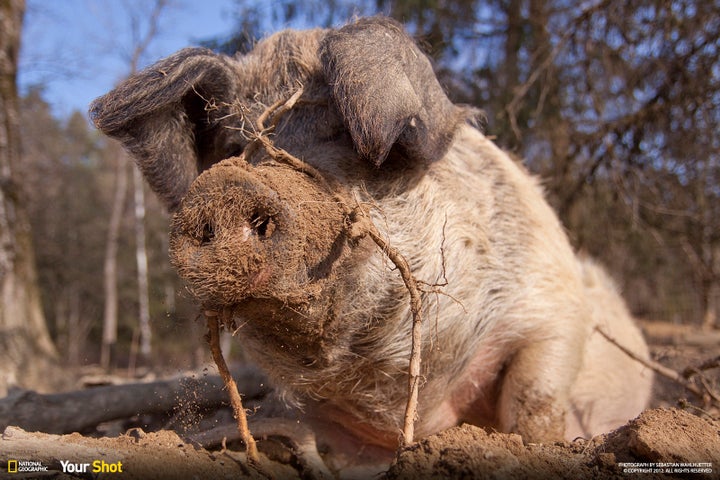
x=665, y=371
x=213, y=339
x=153, y=26
x=416, y=308
x=706, y=365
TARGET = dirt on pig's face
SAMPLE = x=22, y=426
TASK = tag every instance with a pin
x=268, y=245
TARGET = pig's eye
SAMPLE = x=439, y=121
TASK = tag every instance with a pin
x=208, y=234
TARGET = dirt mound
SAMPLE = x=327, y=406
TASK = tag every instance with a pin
x=667, y=436
x=134, y=456
x=659, y=443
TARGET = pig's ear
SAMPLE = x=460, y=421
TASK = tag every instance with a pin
x=167, y=117
x=387, y=92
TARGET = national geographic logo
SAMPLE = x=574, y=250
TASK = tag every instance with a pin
x=25, y=466
x=96, y=466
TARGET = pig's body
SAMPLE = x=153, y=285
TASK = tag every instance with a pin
x=507, y=342
x=509, y=337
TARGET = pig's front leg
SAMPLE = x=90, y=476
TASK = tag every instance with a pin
x=535, y=389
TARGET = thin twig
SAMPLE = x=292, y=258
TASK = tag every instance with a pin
x=685, y=405
x=706, y=365
x=367, y=226
x=699, y=370
x=214, y=342
x=285, y=107
x=663, y=370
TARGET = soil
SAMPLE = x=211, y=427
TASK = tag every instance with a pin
x=678, y=437
x=660, y=443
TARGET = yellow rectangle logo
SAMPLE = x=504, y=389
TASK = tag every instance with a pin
x=12, y=466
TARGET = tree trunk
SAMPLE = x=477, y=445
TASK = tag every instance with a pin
x=142, y=265
x=140, y=46
x=509, y=76
x=710, y=296
x=78, y=334
x=710, y=317
x=168, y=277
x=110, y=269
x=27, y=354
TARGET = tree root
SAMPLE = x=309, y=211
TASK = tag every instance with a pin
x=362, y=224
x=213, y=339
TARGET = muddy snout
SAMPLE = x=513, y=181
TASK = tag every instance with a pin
x=254, y=232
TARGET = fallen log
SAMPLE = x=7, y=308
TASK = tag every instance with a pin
x=78, y=411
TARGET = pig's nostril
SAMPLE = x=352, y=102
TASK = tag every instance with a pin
x=208, y=234
x=263, y=225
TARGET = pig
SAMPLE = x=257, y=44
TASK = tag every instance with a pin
x=509, y=337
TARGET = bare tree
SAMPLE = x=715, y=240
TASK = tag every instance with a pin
x=615, y=106
x=142, y=264
x=27, y=353
x=140, y=43
x=110, y=317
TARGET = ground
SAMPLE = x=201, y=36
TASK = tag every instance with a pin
x=678, y=437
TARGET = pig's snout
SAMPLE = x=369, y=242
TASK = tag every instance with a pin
x=225, y=235
x=257, y=232
x=259, y=225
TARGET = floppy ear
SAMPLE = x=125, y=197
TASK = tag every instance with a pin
x=387, y=92
x=167, y=116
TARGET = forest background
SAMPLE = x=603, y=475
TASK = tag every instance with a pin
x=614, y=105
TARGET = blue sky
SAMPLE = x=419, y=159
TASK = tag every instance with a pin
x=78, y=49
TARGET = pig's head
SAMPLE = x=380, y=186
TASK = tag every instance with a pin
x=251, y=234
